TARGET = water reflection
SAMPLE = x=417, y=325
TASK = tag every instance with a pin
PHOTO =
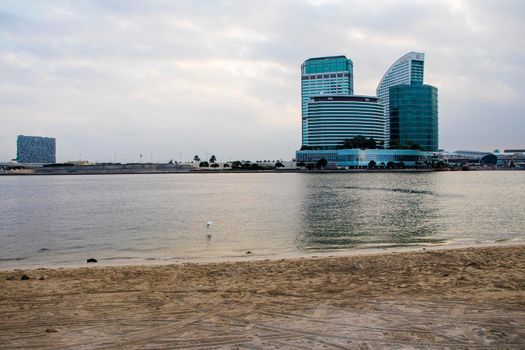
x=346, y=211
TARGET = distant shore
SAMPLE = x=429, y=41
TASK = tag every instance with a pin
x=209, y=171
x=389, y=299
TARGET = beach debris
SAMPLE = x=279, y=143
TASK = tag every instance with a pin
x=24, y=278
x=472, y=264
x=92, y=260
x=51, y=330
x=209, y=224
x=41, y=278
x=10, y=278
x=248, y=252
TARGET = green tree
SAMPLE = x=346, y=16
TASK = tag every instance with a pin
x=214, y=165
x=196, y=158
x=236, y=164
x=359, y=142
x=321, y=163
x=279, y=165
x=372, y=164
x=213, y=159
x=204, y=164
x=415, y=146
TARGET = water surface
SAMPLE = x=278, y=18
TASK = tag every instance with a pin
x=48, y=220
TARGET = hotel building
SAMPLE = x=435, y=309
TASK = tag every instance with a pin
x=332, y=119
x=414, y=117
x=331, y=75
x=407, y=70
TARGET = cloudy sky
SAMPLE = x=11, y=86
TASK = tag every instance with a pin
x=176, y=78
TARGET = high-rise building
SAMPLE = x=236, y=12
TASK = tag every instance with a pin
x=407, y=70
x=332, y=119
x=414, y=117
x=35, y=149
x=331, y=75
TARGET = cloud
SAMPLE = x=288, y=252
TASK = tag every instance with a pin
x=131, y=77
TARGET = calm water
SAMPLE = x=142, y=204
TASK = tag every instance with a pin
x=47, y=220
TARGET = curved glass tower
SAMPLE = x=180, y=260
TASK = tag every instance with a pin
x=332, y=119
x=406, y=70
x=414, y=117
x=331, y=75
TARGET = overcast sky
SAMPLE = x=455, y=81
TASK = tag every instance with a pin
x=165, y=78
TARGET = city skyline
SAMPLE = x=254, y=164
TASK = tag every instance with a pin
x=119, y=79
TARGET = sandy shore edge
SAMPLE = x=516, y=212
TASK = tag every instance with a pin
x=253, y=256
x=444, y=298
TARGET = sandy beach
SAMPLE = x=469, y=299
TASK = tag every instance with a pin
x=457, y=298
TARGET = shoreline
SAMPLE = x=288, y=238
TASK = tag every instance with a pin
x=253, y=256
x=448, y=298
x=285, y=171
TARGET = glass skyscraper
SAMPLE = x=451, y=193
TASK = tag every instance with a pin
x=407, y=70
x=332, y=75
x=414, y=116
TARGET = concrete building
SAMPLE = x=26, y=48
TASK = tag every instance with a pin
x=467, y=158
x=511, y=158
x=35, y=149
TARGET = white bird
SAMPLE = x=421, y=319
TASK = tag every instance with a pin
x=209, y=227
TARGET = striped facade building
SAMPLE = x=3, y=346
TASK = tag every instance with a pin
x=332, y=119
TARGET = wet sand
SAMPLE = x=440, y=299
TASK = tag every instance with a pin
x=457, y=298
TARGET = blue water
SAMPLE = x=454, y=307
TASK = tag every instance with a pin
x=63, y=220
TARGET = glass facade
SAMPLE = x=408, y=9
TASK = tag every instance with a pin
x=356, y=158
x=408, y=69
x=333, y=119
x=324, y=76
x=35, y=149
x=414, y=116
